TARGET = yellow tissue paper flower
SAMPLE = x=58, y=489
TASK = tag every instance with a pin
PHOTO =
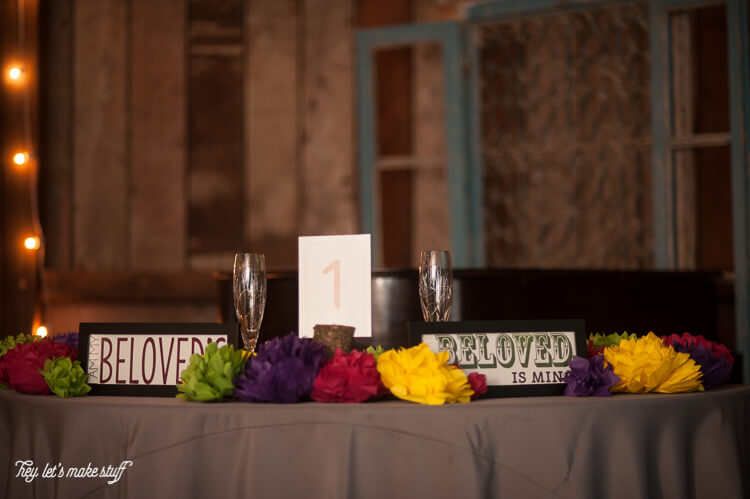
x=646, y=365
x=418, y=375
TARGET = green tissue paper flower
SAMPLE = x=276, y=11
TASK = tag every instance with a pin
x=209, y=377
x=601, y=340
x=376, y=351
x=65, y=378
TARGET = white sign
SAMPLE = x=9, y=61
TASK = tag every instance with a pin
x=140, y=359
x=334, y=283
x=511, y=358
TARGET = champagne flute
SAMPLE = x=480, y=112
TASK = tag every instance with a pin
x=249, y=285
x=435, y=285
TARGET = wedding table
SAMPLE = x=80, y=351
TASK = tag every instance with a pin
x=625, y=446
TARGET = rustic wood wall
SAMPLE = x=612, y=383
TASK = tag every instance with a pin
x=184, y=131
x=181, y=131
x=177, y=132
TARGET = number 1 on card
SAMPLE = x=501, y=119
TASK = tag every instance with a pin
x=335, y=283
x=335, y=266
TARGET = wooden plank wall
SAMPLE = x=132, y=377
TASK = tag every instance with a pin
x=158, y=208
x=181, y=131
x=215, y=123
x=273, y=129
x=56, y=153
x=101, y=179
x=328, y=182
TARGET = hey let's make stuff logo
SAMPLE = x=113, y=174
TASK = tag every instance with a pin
x=28, y=471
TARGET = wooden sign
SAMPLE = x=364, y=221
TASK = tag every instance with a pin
x=334, y=283
x=144, y=359
x=517, y=357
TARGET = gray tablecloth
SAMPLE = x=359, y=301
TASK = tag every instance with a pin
x=629, y=446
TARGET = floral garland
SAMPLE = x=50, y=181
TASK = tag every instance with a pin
x=627, y=363
x=35, y=365
x=290, y=369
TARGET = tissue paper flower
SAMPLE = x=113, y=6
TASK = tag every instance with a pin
x=592, y=350
x=65, y=377
x=20, y=366
x=70, y=339
x=713, y=358
x=283, y=371
x=11, y=341
x=418, y=375
x=646, y=365
x=208, y=377
x=375, y=351
x=598, y=342
x=589, y=377
x=478, y=383
x=350, y=377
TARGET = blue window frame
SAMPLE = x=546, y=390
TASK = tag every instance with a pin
x=462, y=177
x=665, y=235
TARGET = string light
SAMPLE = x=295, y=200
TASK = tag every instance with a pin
x=16, y=76
x=20, y=158
x=32, y=243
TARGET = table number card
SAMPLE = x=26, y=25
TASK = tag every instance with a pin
x=334, y=283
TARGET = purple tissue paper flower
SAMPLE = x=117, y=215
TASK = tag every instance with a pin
x=715, y=368
x=283, y=371
x=70, y=339
x=589, y=377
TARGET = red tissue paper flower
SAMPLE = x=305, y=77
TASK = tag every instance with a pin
x=592, y=350
x=19, y=367
x=478, y=383
x=351, y=377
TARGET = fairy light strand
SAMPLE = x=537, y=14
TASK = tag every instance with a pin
x=30, y=160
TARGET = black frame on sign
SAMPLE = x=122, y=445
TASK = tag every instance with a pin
x=86, y=329
x=417, y=330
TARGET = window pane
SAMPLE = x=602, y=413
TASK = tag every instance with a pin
x=700, y=84
x=566, y=139
x=414, y=201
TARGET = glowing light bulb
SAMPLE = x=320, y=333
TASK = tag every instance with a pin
x=31, y=243
x=41, y=331
x=20, y=158
x=14, y=73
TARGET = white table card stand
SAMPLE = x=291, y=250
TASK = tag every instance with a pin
x=334, y=283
